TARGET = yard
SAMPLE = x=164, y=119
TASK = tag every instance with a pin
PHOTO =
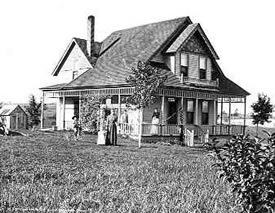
x=50, y=171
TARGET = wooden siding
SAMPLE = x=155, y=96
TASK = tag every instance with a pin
x=76, y=61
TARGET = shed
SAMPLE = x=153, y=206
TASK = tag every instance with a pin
x=13, y=116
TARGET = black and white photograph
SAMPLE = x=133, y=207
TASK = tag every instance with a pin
x=137, y=106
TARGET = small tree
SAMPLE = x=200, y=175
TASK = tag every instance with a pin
x=34, y=112
x=89, y=111
x=262, y=110
x=145, y=79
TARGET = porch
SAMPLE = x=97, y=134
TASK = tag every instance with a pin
x=179, y=110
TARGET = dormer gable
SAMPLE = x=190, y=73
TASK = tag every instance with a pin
x=193, y=39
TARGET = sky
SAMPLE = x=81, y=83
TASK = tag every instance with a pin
x=35, y=33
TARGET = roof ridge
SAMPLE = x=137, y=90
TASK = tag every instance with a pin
x=143, y=25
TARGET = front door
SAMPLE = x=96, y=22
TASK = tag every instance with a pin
x=172, y=111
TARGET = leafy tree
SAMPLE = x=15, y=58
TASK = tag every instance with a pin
x=262, y=110
x=145, y=79
x=89, y=111
x=248, y=165
x=34, y=111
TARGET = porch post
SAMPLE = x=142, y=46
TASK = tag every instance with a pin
x=79, y=110
x=119, y=106
x=42, y=112
x=229, y=118
x=182, y=103
x=215, y=116
x=215, y=111
x=196, y=111
x=244, y=116
x=221, y=110
x=162, y=113
x=63, y=111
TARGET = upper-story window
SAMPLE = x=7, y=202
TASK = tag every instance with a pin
x=75, y=74
x=184, y=64
x=172, y=63
x=202, y=67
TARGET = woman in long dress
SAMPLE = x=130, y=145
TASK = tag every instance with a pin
x=155, y=122
x=112, y=129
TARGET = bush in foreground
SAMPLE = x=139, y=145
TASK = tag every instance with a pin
x=248, y=164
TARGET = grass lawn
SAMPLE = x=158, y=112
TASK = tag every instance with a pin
x=48, y=171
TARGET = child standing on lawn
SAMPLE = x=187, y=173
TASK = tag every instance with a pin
x=77, y=127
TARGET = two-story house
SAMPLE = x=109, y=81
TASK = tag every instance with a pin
x=178, y=47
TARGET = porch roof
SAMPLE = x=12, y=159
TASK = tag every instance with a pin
x=93, y=79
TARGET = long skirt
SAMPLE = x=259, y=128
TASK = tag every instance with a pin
x=154, y=128
x=112, y=135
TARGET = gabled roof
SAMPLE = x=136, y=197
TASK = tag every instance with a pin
x=123, y=49
x=186, y=35
x=7, y=110
x=82, y=44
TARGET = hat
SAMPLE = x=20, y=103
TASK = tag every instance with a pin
x=75, y=116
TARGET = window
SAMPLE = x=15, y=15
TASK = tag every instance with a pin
x=190, y=112
x=172, y=63
x=205, y=113
x=75, y=74
x=183, y=65
x=202, y=67
x=114, y=99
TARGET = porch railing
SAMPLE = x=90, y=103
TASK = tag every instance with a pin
x=149, y=129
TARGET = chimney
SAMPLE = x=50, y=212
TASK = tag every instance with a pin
x=90, y=38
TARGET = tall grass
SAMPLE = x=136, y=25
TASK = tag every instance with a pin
x=49, y=172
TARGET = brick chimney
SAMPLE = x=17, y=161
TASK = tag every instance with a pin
x=90, y=33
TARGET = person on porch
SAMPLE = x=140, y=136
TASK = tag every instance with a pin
x=155, y=122
x=112, y=129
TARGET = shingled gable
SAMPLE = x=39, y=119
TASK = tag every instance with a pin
x=82, y=44
x=184, y=37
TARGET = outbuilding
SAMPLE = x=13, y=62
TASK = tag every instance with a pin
x=13, y=116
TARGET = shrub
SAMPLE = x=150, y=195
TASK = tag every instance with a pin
x=248, y=164
x=89, y=111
